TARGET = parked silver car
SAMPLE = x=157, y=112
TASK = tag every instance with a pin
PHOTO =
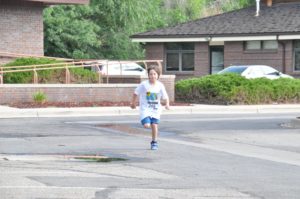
x=117, y=68
x=255, y=71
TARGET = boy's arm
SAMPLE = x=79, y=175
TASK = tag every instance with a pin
x=135, y=95
x=165, y=97
x=167, y=104
x=133, y=101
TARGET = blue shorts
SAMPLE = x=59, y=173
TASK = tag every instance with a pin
x=149, y=120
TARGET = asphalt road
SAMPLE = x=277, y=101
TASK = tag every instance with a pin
x=199, y=156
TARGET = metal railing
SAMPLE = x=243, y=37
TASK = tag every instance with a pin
x=67, y=65
x=19, y=55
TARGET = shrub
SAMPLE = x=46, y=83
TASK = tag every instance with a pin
x=78, y=75
x=26, y=77
x=213, y=89
x=286, y=90
x=82, y=75
x=234, y=89
x=39, y=97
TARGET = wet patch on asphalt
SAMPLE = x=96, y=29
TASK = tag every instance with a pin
x=123, y=128
x=101, y=159
x=47, y=157
x=134, y=130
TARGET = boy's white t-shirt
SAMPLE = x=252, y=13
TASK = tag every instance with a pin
x=149, y=98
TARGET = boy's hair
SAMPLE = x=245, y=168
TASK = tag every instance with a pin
x=155, y=68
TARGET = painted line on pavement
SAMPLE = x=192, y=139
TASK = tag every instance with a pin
x=245, y=150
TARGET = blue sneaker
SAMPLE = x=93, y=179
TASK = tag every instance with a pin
x=154, y=145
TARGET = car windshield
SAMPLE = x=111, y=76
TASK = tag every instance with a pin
x=234, y=69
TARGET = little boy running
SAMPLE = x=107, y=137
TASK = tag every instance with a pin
x=150, y=92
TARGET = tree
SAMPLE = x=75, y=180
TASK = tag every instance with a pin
x=120, y=19
x=69, y=32
x=102, y=29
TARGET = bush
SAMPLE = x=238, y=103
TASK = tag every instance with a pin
x=82, y=75
x=214, y=89
x=234, y=89
x=78, y=75
x=26, y=77
x=39, y=97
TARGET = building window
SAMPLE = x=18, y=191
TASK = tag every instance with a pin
x=180, y=56
x=270, y=45
x=261, y=45
x=297, y=55
x=253, y=45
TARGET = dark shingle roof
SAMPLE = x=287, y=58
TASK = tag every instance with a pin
x=281, y=18
x=61, y=1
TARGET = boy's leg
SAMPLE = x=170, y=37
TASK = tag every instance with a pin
x=154, y=128
x=146, y=122
x=147, y=125
x=153, y=123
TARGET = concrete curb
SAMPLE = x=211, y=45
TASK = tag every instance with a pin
x=8, y=112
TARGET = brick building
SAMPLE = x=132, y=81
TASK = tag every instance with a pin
x=207, y=45
x=21, y=26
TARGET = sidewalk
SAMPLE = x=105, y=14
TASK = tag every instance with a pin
x=9, y=112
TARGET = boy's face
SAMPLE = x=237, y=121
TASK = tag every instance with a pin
x=153, y=76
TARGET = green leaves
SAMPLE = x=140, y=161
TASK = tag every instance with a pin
x=234, y=89
x=69, y=34
x=39, y=97
x=26, y=77
x=78, y=75
x=102, y=29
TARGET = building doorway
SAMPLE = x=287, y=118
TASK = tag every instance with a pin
x=216, y=59
x=297, y=55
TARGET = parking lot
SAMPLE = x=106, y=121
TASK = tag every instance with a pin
x=200, y=156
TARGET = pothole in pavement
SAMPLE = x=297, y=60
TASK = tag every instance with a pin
x=83, y=158
x=294, y=124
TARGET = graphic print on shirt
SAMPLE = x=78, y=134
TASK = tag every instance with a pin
x=152, y=100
